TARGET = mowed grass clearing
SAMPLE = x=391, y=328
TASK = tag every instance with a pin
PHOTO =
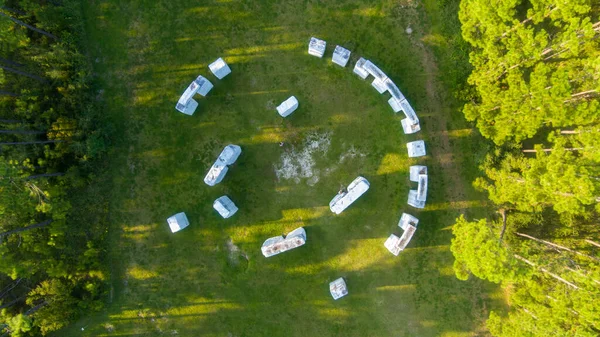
x=211, y=279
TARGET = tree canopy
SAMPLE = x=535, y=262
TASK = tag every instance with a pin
x=536, y=68
x=50, y=138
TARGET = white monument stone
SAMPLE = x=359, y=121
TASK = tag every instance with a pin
x=415, y=171
x=413, y=201
x=395, y=104
x=225, y=206
x=416, y=148
x=178, y=222
x=345, y=198
x=407, y=220
x=372, y=69
x=392, y=88
x=341, y=56
x=316, y=47
x=288, y=106
x=338, y=288
x=393, y=244
x=279, y=244
x=359, y=68
x=410, y=127
x=219, y=68
x=378, y=85
x=409, y=112
x=186, y=103
x=397, y=244
x=227, y=157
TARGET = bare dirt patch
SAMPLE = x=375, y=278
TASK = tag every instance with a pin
x=297, y=164
x=351, y=153
x=236, y=255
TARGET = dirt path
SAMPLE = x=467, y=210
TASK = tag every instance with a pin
x=442, y=151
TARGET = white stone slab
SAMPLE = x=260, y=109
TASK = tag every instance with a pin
x=316, y=47
x=178, y=222
x=378, y=85
x=218, y=170
x=415, y=171
x=406, y=220
x=219, y=68
x=416, y=148
x=188, y=108
x=409, y=127
x=409, y=112
x=279, y=244
x=338, y=288
x=225, y=206
x=413, y=201
x=204, y=85
x=341, y=56
x=393, y=90
x=359, y=68
x=392, y=244
x=288, y=106
x=395, y=104
x=375, y=71
x=344, y=199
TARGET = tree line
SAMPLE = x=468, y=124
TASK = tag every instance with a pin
x=536, y=79
x=51, y=136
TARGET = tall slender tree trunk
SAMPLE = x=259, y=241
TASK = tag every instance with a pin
x=35, y=77
x=502, y=212
x=36, y=308
x=582, y=274
x=13, y=10
x=22, y=132
x=8, y=93
x=32, y=142
x=21, y=23
x=26, y=228
x=548, y=243
x=529, y=313
x=550, y=150
x=582, y=96
x=10, y=287
x=544, y=270
x=592, y=242
x=11, y=303
x=526, y=21
x=56, y=174
x=10, y=62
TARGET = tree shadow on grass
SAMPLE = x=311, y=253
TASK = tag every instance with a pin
x=185, y=282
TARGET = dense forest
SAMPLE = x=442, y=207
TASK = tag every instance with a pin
x=536, y=82
x=51, y=138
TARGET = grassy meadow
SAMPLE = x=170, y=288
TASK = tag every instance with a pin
x=211, y=279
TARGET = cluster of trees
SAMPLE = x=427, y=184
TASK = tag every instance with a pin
x=536, y=75
x=50, y=262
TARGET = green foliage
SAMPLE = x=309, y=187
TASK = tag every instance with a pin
x=477, y=249
x=551, y=291
x=19, y=325
x=53, y=94
x=535, y=71
x=57, y=305
x=557, y=179
x=532, y=69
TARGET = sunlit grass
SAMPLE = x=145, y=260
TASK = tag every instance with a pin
x=211, y=278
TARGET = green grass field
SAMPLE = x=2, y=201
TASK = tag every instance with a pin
x=195, y=282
